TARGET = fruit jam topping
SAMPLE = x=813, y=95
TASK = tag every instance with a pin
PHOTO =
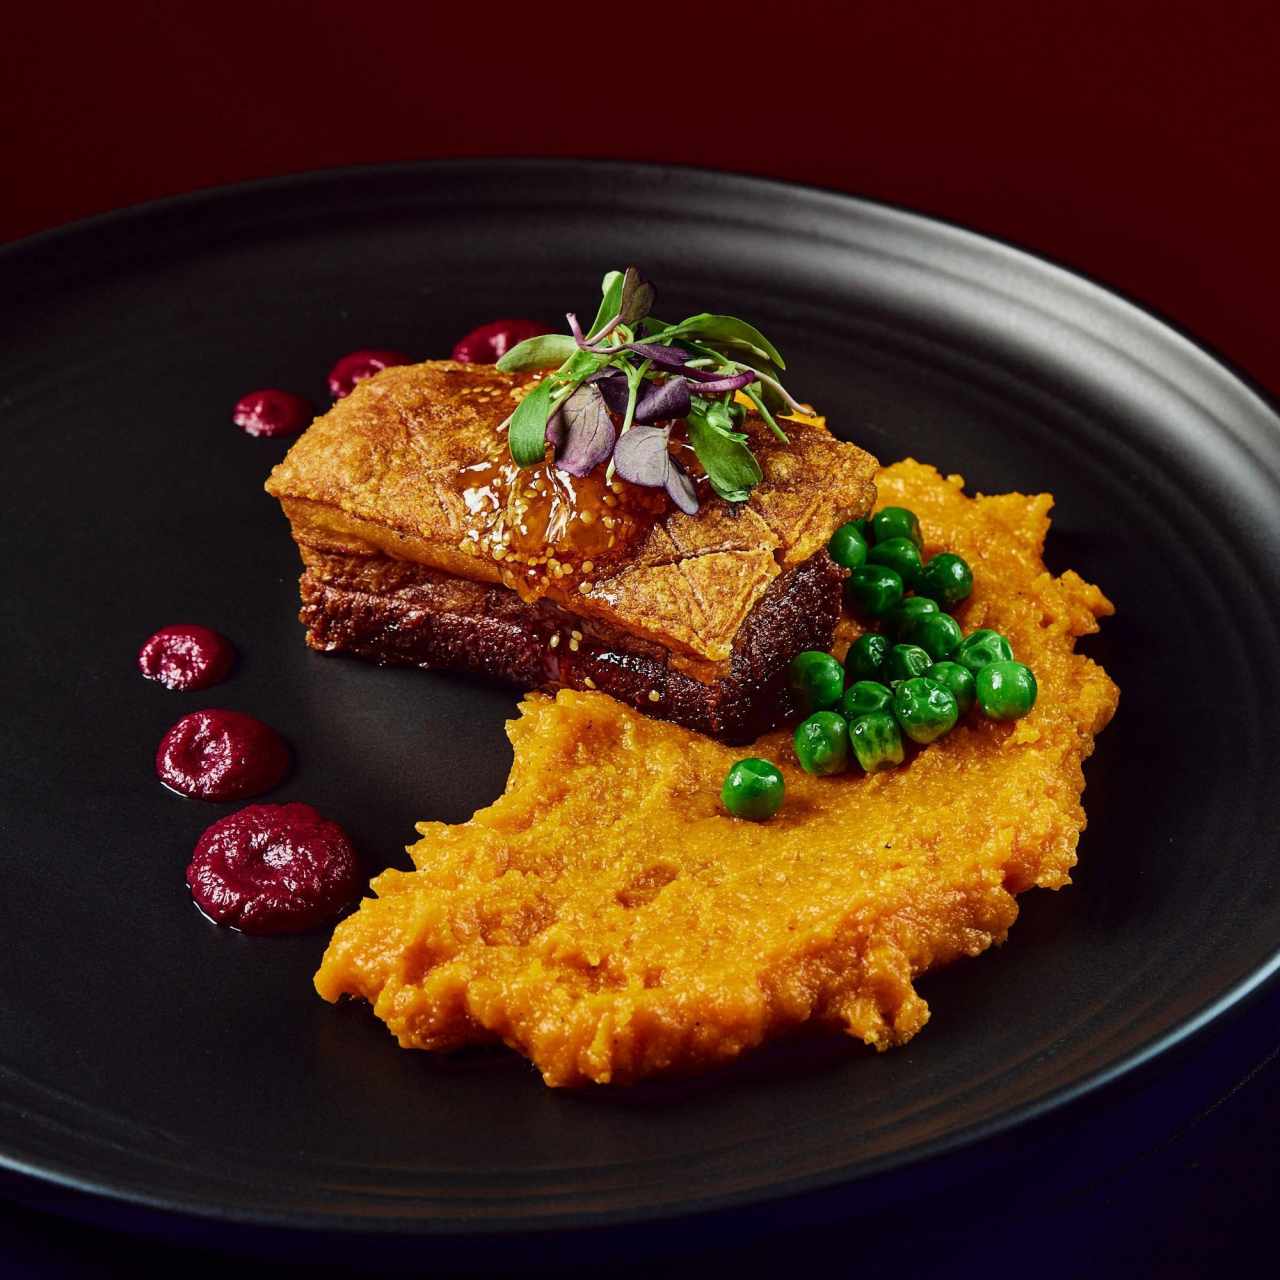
x=221, y=755
x=186, y=656
x=359, y=365
x=274, y=868
x=544, y=527
x=490, y=342
x=272, y=412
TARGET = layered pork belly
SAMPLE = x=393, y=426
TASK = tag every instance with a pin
x=695, y=620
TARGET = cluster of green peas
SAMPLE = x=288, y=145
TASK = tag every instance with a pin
x=916, y=677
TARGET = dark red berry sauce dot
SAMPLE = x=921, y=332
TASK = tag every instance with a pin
x=272, y=412
x=221, y=755
x=490, y=342
x=274, y=868
x=360, y=365
x=186, y=657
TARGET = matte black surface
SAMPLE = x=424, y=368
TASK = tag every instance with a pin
x=1171, y=1171
x=145, y=1053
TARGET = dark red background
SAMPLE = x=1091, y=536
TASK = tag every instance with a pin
x=1135, y=140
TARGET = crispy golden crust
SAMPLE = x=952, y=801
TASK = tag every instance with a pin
x=607, y=919
x=378, y=472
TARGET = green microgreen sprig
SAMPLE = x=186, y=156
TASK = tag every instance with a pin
x=646, y=371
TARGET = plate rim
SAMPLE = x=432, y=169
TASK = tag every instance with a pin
x=263, y=186
x=1182, y=1033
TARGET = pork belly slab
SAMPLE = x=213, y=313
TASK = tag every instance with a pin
x=402, y=503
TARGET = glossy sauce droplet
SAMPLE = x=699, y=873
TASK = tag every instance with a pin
x=221, y=755
x=272, y=412
x=490, y=342
x=545, y=528
x=186, y=656
x=359, y=365
x=274, y=868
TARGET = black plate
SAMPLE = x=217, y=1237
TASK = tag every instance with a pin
x=152, y=1056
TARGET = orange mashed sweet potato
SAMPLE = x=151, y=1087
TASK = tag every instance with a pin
x=609, y=920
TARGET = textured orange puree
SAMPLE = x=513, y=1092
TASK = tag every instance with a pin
x=607, y=919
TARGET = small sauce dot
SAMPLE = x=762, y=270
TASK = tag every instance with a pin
x=356, y=366
x=272, y=412
x=221, y=755
x=186, y=656
x=490, y=342
x=272, y=869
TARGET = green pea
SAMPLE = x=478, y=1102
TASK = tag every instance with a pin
x=865, y=659
x=753, y=789
x=863, y=697
x=848, y=546
x=822, y=743
x=924, y=709
x=902, y=620
x=947, y=579
x=817, y=680
x=937, y=634
x=905, y=662
x=895, y=522
x=900, y=554
x=1006, y=690
x=876, y=741
x=981, y=647
x=957, y=680
x=874, y=589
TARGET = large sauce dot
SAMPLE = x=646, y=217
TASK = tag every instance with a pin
x=274, y=868
x=490, y=342
x=359, y=365
x=221, y=755
x=186, y=656
x=272, y=412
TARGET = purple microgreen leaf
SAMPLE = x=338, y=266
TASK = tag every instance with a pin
x=667, y=357
x=613, y=387
x=659, y=400
x=637, y=298
x=582, y=431
x=721, y=382
x=641, y=456
x=703, y=375
x=680, y=488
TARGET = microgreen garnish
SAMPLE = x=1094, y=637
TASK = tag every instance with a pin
x=640, y=369
x=582, y=431
x=641, y=456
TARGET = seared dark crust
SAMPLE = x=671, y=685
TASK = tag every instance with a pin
x=399, y=613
